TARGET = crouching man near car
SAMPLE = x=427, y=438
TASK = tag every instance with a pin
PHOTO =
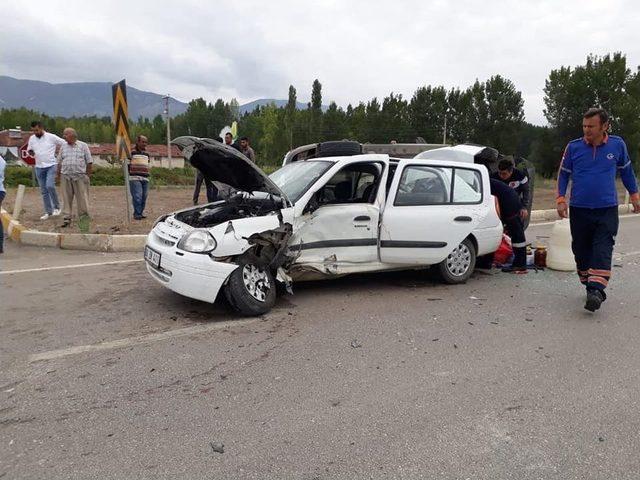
x=509, y=175
x=510, y=208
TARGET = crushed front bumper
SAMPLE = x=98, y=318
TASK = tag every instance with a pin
x=193, y=275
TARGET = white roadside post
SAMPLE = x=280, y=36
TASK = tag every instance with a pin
x=17, y=206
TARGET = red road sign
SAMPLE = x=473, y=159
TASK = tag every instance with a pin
x=24, y=155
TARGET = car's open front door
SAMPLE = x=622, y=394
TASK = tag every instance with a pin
x=431, y=207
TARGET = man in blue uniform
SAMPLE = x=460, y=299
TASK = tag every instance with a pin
x=591, y=163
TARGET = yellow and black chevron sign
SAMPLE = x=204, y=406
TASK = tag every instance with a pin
x=121, y=119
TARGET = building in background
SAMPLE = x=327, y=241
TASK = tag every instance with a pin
x=103, y=154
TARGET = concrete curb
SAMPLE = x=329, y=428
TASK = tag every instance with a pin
x=71, y=241
x=135, y=243
x=538, y=216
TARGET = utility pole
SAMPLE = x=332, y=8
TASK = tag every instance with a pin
x=444, y=132
x=166, y=111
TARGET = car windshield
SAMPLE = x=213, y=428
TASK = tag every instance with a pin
x=295, y=178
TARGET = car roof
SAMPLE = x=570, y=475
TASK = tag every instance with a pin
x=368, y=157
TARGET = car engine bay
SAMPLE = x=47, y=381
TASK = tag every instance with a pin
x=238, y=206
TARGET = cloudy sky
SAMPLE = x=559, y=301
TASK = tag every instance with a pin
x=357, y=49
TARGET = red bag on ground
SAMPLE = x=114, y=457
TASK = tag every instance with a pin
x=505, y=251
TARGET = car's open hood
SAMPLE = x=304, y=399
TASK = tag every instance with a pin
x=220, y=163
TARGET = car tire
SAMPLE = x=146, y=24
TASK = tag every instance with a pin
x=338, y=149
x=251, y=288
x=459, y=264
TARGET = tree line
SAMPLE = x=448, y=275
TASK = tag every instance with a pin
x=488, y=113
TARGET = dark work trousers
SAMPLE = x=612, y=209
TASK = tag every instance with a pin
x=515, y=229
x=212, y=191
x=593, y=233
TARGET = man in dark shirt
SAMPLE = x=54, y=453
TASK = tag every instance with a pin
x=519, y=181
x=510, y=213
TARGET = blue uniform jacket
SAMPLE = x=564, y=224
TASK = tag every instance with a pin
x=592, y=171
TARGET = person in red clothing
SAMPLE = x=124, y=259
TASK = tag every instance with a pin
x=591, y=163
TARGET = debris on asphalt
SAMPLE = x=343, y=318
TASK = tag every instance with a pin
x=600, y=439
x=433, y=299
x=476, y=298
x=494, y=323
x=355, y=343
x=455, y=346
x=152, y=370
x=528, y=319
x=471, y=323
x=435, y=339
x=217, y=447
x=173, y=317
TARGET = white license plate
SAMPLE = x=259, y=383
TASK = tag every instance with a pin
x=151, y=256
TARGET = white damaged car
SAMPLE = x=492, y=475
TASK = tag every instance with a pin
x=322, y=218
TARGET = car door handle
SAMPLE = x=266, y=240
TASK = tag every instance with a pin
x=362, y=218
x=462, y=219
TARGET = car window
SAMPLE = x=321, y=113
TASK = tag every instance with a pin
x=294, y=179
x=467, y=186
x=355, y=183
x=424, y=185
x=430, y=185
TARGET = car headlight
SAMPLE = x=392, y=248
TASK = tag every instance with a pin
x=197, y=241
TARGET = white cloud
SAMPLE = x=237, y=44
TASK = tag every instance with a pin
x=358, y=49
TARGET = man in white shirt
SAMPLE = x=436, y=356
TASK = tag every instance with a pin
x=43, y=146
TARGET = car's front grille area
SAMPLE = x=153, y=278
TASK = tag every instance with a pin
x=164, y=240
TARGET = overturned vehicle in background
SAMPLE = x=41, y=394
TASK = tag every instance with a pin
x=322, y=218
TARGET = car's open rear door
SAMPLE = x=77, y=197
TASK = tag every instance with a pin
x=432, y=206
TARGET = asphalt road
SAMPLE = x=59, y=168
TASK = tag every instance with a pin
x=105, y=374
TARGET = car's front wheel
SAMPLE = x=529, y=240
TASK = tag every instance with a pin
x=459, y=264
x=251, y=288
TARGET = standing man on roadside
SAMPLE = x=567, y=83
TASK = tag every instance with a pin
x=139, y=168
x=74, y=173
x=228, y=141
x=43, y=145
x=246, y=150
x=591, y=163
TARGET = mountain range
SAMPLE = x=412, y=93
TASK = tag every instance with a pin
x=94, y=98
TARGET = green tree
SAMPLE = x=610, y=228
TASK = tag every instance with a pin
x=428, y=108
x=604, y=82
x=334, y=123
x=315, y=109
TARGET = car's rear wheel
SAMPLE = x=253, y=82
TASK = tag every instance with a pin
x=459, y=264
x=251, y=288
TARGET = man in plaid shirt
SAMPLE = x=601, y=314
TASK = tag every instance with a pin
x=74, y=171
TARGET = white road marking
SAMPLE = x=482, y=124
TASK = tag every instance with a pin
x=64, y=267
x=142, y=339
